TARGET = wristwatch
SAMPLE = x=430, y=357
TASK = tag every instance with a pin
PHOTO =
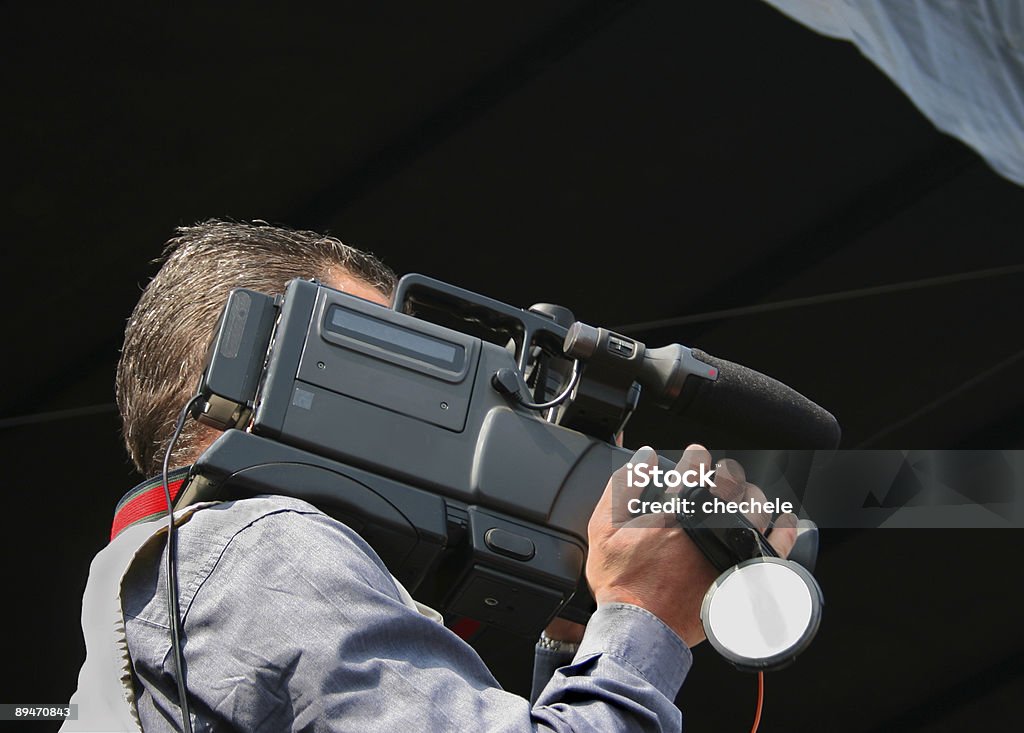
x=554, y=645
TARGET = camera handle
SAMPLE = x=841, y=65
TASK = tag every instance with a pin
x=525, y=328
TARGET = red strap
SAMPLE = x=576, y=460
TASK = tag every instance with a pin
x=145, y=502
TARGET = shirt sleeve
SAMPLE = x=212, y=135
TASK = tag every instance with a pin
x=298, y=625
x=545, y=663
x=961, y=63
x=623, y=631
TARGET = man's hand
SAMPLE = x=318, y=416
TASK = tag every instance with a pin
x=649, y=561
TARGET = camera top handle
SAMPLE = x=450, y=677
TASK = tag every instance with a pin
x=526, y=328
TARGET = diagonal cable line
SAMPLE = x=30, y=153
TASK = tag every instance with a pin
x=944, y=398
x=835, y=297
x=55, y=415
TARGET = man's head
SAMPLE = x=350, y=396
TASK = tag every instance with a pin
x=167, y=334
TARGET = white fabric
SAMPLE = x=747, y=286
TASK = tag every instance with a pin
x=960, y=61
x=105, y=696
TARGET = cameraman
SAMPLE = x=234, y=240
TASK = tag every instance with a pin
x=289, y=619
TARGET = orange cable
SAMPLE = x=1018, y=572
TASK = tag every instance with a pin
x=760, y=701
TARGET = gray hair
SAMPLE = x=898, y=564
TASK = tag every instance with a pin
x=166, y=337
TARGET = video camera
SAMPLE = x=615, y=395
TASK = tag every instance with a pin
x=466, y=440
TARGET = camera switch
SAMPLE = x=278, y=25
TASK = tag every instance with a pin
x=511, y=545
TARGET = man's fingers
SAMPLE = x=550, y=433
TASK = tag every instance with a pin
x=783, y=535
x=613, y=507
x=760, y=519
x=731, y=485
x=729, y=480
x=622, y=492
x=612, y=510
x=693, y=457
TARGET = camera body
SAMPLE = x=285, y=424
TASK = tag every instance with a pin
x=390, y=424
x=419, y=437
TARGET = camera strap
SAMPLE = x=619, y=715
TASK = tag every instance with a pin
x=147, y=501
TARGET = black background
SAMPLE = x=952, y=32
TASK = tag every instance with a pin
x=631, y=160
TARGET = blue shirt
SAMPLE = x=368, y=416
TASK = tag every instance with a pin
x=292, y=622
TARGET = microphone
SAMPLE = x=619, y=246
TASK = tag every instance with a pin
x=723, y=394
x=743, y=403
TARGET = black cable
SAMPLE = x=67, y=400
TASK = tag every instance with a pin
x=821, y=299
x=172, y=575
x=507, y=382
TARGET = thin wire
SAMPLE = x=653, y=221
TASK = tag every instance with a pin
x=53, y=415
x=841, y=295
x=174, y=616
x=760, y=702
x=573, y=381
x=939, y=401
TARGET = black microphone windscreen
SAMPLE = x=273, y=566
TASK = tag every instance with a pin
x=761, y=409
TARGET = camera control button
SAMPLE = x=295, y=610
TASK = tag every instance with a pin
x=511, y=545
